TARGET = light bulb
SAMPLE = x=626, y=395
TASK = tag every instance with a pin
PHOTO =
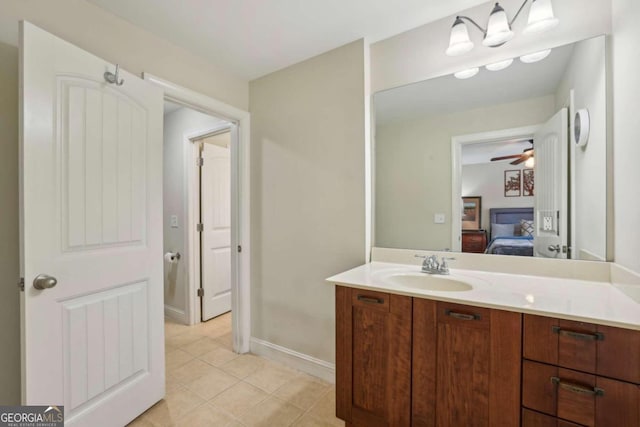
x=459, y=42
x=498, y=29
x=497, y=66
x=535, y=57
x=541, y=17
x=467, y=74
x=531, y=162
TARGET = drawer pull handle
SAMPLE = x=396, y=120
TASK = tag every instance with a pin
x=577, y=388
x=462, y=316
x=370, y=300
x=578, y=335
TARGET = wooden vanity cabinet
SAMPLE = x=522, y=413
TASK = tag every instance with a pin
x=373, y=358
x=466, y=365
x=582, y=373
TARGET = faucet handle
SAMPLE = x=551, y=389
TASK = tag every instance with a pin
x=444, y=265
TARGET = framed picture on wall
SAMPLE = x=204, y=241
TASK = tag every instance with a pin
x=471, y=212
x=512, y=183
x=527, y=182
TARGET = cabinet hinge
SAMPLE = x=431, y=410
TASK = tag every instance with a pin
x=239, y=248
x=200, y=292
x=200, y=161
x=200, y=228
x=21, y=284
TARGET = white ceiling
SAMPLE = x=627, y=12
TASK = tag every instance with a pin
x=483, y=153
x=252, y=38
x=447, y=94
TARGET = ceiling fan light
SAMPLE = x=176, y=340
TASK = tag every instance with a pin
x=531, y=162
x=467, y=74
x=535, y=57
x=541, y=17
x=459, y=42
x=498, y=28
x=497, y=66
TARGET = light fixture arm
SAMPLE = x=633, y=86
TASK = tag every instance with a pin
x=473, y=22
x=518, y=12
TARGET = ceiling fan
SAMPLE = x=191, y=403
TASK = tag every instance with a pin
x=520, y=158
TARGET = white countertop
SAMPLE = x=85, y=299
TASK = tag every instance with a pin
x=572, y=299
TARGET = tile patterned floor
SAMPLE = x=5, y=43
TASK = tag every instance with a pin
x=210, y=385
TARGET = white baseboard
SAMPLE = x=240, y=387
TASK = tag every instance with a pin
x=300, y=361
x=175, y=314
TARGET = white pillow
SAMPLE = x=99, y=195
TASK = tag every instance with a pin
x=503, y=230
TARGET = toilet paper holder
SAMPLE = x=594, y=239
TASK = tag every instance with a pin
x=174, y=256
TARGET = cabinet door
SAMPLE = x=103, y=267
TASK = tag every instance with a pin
x=466, y=366
x=373, y=358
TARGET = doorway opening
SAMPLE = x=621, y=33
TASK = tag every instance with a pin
x=197, y=214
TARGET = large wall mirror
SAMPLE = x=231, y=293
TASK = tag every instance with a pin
x=498, y=163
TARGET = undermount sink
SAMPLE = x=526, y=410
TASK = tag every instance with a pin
x=428, y=282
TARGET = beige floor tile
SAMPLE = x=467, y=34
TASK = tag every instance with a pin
x=205, y=416
x=192, y=370
x=218, y=356
x=310, y=420
x=240, y=398
x=202, y=346
x=181, y=340
x=212, y=383
x=325, y=408
x=302, y=391
x=177, y=358
x=171, y=382
x=172, y=328
x=176, y=404
x=226, y=340
x=271, y=377
x=243, y=365
x=270, y=413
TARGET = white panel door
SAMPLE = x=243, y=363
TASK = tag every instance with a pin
x=91, y=217
x=551, y=188
x=216, y=221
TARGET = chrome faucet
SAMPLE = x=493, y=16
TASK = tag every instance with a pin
x=430, y=265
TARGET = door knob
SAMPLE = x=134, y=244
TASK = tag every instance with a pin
x=554, y=248
x=42, y=281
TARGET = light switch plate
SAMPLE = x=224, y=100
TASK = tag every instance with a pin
x=438, y=218
x=174, y=221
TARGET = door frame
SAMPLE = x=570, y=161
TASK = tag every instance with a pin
x=192, y=237
x=240, y=205
x=457, y=142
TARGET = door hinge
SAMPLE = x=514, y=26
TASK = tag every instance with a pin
x=200, y=292
x=200, y=161
x=21, y=284
x=239, y=248
x=200, y=228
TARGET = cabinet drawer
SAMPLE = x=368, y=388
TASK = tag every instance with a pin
x=581, y=398
x=584, y=347
x=536, y=419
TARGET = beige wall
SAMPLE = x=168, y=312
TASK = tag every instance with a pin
x=626, y=128
x=116, y=40
x=307, y=195
x=413, y=169
x=418, y=54
x=177, y=125
x=9, y=239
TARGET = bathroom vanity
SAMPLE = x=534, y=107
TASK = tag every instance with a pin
x=507, y=350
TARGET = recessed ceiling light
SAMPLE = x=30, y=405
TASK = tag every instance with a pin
x=535, y=57
x=467, y=74
x=497, y=66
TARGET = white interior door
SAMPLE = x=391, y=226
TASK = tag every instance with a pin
x=551, y=187
x=91, y=217
x=216, y=222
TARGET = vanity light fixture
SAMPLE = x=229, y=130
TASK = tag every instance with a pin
x=499, y=28
x=535, y=57
x=497, y=66
x=467, y=74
